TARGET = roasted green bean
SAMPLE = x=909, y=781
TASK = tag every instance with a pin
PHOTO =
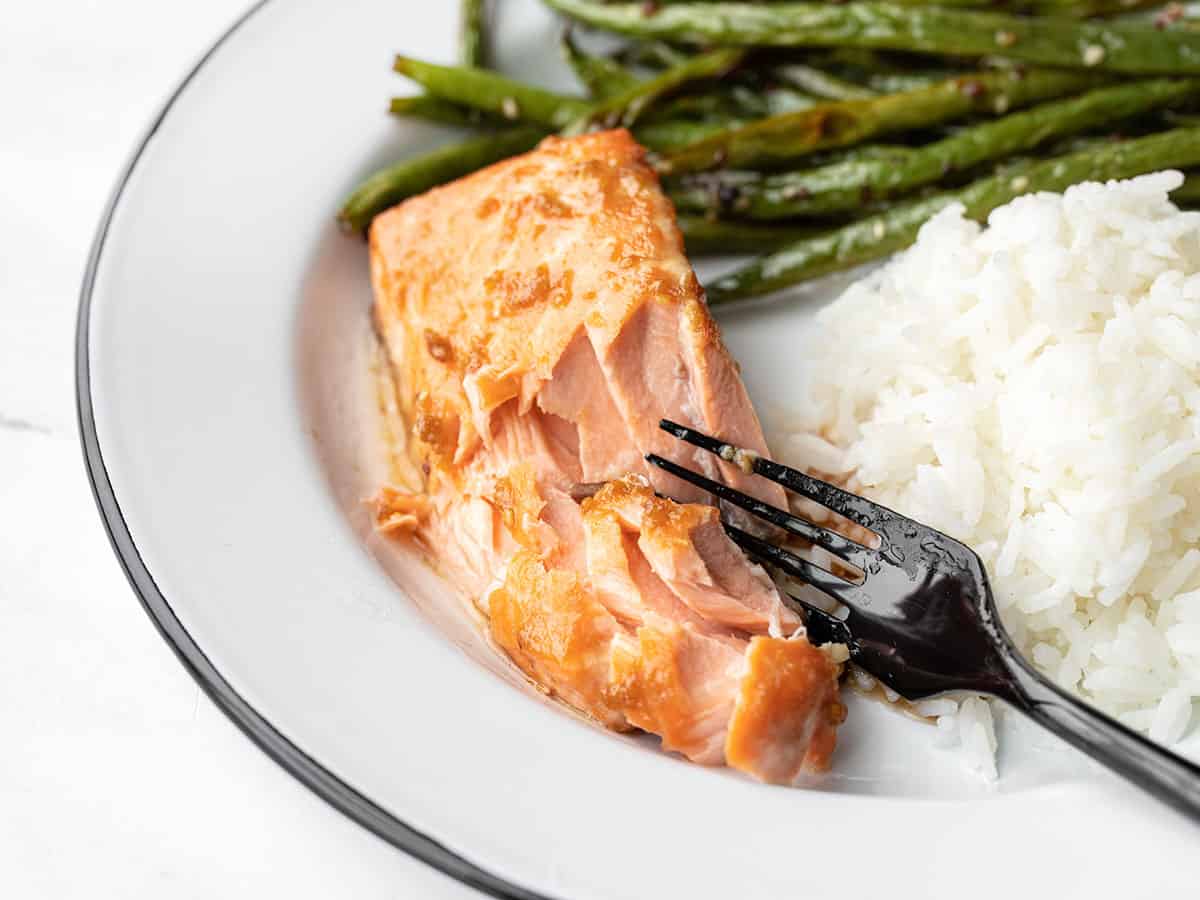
x=783, y=138
x=493, y=93
x=603, y=77
x=434, y=109
x=473, y=39
x=1048, y=41
x=897, y=228
x=847, y=184
x=626, y=108
x=418, y=174
x=705, y=237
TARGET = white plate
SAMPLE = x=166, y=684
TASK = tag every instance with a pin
x=222, y=329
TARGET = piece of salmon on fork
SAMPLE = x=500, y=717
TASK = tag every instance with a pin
x=540, y=318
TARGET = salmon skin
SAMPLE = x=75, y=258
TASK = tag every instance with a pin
x=540, y=318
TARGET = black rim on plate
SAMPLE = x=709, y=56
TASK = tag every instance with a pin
x=254, y=724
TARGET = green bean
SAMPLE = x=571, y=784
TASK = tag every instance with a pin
x=783, y=138
x=705, y=237
x=603, y=77
x=1083, y=9
x=929, y=29
x=626, y=108
x=897, y=228
x=721, y=100
x=782, y=100
x=474, y=43
x=493, y=93
x=1071, y=8
x=1178, y=117
x=433, y=109
x=820, y=83
x=880, y=73
x=846, y=185
x=653, y=55
x=494, y=96
x=1187, y=195
x=666, y=136
x=1075, y=9
x=714, y=104
x=896, y=82
x=414, y=176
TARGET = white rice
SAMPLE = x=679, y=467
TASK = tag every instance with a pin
x=1033, y=388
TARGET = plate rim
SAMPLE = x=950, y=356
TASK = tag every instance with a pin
x=249, y=720
x=92, y=315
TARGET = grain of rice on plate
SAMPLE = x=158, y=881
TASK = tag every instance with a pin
x=1033, y=389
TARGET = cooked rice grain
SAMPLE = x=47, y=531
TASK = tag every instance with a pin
x=1033, y=388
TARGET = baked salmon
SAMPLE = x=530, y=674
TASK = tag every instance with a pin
x=540, y=318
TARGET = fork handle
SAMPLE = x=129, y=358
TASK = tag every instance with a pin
x=1166, y=775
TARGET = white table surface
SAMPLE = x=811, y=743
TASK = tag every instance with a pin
x=118, y=777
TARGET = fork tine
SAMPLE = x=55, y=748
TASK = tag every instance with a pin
x=854, y=553
x=837, y=588
x=857, y=509
x=822, y=627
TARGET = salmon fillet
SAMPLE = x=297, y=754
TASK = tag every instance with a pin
x=540, y=317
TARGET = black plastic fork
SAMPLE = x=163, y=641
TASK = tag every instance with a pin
x=922, y=620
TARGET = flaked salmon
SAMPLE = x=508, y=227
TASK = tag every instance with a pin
x=540, y=317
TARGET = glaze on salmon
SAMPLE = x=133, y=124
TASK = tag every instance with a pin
x=540, y=318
